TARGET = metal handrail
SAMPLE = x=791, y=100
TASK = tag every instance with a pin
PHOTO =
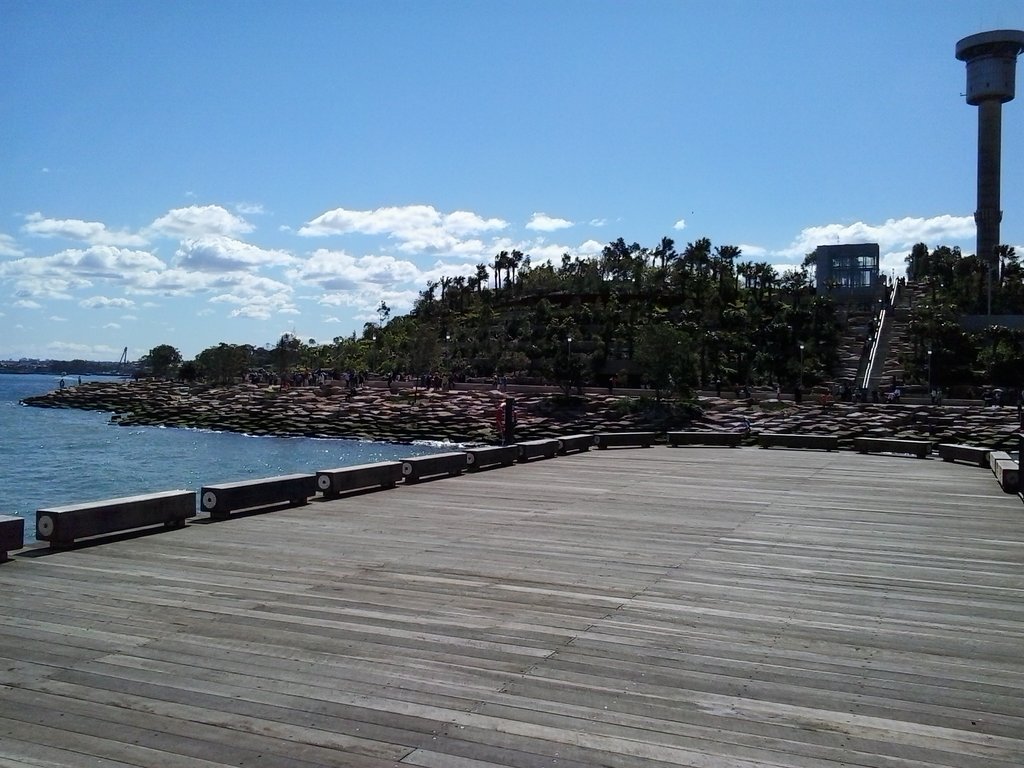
x=866, y=382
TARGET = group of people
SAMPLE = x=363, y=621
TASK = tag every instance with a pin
x=315, y=378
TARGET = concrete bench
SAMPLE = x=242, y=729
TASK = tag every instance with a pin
x=537, y=449
x=60, y=526
x=571, y=443
x=815, y=442
x=223, y=499
x=421, y=467
x=624, y=439
x=1006, y=471
x=730, y=439
x=12, y=534
x=334, y=482
x=919, y=448
x=973, y=454
x=491, y=456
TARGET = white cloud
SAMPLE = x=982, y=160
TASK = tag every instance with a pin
x=112, y=326
x=48, y=286
x=217, y=253
x=27, y=304
x=57, y=319
x=254, y=297
x=752, y=251
x=9, y=247
x=365, y=302
x=541, y=222
x=247, y=209
x=891, y=235
x=57, y=275
x=83, y=351
x=102, y=302
x=680, y=225
x=92, y=232
x=416, y=227
x=338, y=271
x=200, y=220
x=598, y=222
x=465, y=223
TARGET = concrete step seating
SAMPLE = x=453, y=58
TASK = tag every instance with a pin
x=380, y=474
x=62, y=526
x=222, y=499
x=537, y=449
x=972, y=454
x=418, y=468
x=575, y=443
x=1006, y=470
x=705, y=438
x=625, y=439
x=919, y=448
x=12, y=535
x=491, y=456
x=814, y=442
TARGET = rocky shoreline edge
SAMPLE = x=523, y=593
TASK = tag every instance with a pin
x=467, y=417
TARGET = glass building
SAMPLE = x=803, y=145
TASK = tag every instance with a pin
x=851, y=268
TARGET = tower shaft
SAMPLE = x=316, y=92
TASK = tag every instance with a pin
x=988, y=215
x=991, y=59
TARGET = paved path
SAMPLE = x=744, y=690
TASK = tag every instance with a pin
x=695, y=607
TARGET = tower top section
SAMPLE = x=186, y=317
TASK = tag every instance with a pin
x=991, y=64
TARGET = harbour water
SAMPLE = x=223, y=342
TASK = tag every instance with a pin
x=51, y=457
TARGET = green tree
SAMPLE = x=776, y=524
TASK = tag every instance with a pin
x=162, y=360
x=223, y=363
x=287, y=352
x=666, y=356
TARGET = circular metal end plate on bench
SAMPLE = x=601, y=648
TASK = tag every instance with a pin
x=323, y=482
x=209, y=500
x=44, y=525
x=406, y=469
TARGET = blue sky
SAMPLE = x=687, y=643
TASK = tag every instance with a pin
x=193, y=172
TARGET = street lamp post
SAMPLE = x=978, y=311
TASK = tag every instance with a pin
x=931, y=391
x=446, y=375
x=568, y=360
x=801, y=364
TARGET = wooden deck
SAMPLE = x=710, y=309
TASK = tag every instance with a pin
x=662, y=607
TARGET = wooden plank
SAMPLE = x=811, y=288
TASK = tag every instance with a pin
x=646, y=608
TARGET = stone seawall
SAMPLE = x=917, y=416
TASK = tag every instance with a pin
x=468, y=417
x=370, y=414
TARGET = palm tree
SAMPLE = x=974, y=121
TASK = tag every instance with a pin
x=513, y=265
x=499, y=264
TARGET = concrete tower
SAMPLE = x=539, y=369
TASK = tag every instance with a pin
x=991, y=66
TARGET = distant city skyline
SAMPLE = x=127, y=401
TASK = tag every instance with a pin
x=190, y=173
